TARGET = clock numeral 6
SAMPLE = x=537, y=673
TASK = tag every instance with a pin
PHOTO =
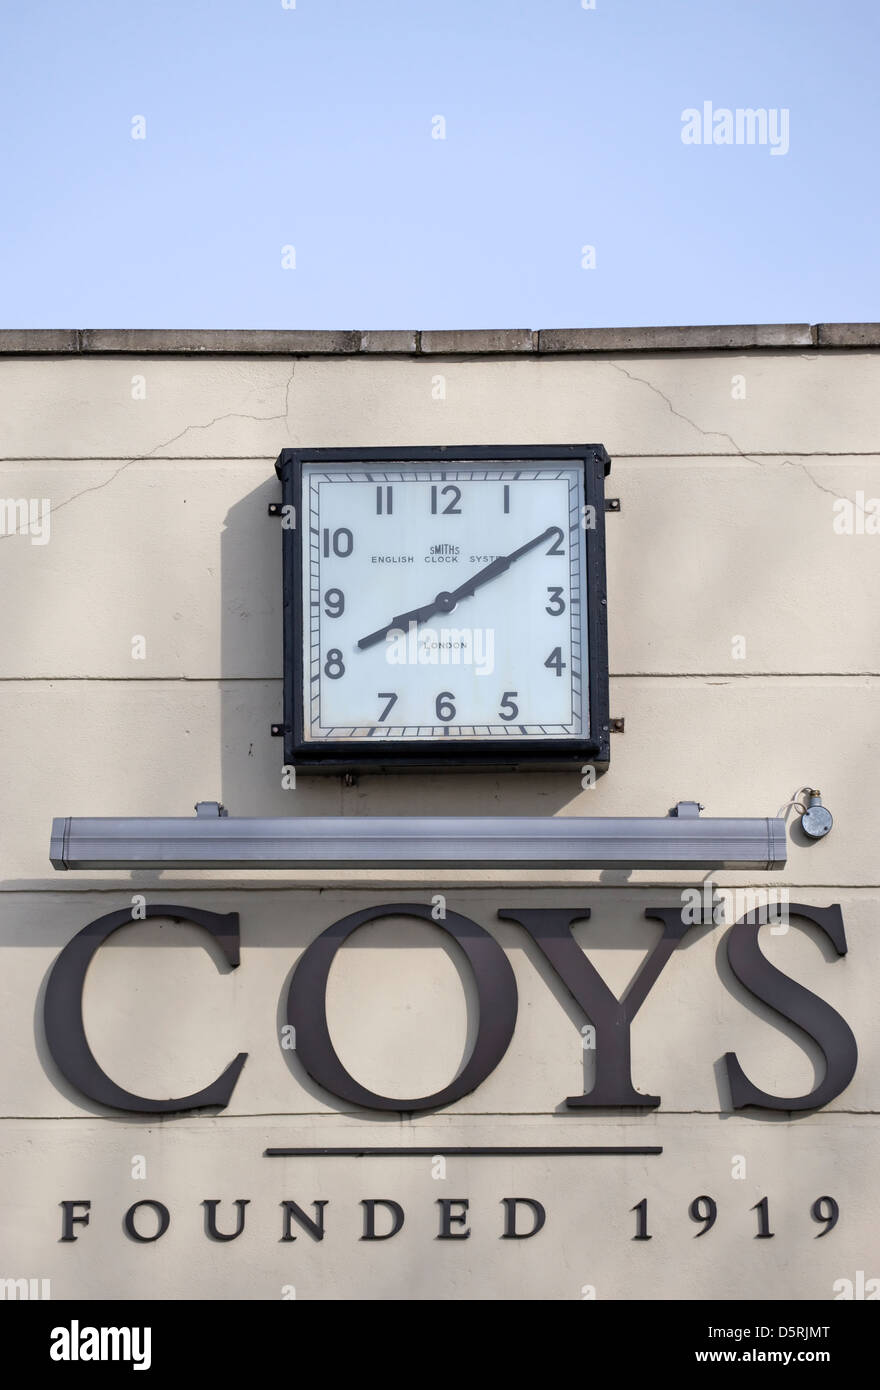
x=334, y=603
x=341, y=542
x=390, y=696
x=444, y=707
x=555, y=662
x=334, y=666
x=507, y=703
x=557, y=602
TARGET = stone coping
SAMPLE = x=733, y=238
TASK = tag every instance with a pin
x=470, y=342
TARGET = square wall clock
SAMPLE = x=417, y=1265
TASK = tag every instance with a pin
x=444, y=608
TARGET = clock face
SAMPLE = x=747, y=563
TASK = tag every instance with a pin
x=443, y=600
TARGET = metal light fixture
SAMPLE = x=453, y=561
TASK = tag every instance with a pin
x=817, y=819
x=214, y=840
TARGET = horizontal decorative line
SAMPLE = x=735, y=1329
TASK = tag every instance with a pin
x=469, y=1151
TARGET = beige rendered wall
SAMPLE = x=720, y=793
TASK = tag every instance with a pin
x=728, y=464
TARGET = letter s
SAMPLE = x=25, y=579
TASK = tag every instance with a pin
x=818, y=1020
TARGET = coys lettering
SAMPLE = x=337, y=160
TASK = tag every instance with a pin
x=549, y=930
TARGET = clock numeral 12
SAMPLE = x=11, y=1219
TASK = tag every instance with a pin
x=452, y=508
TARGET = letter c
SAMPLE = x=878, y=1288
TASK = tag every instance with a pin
x=63, y=1020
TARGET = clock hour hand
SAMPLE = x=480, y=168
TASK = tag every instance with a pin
x=445, y=602
x=402, y=621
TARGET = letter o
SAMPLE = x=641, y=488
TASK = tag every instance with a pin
x=161, y=1211
x=496, y=992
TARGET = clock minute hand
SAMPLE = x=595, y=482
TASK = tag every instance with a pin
x=499, y=566
x=444, y=602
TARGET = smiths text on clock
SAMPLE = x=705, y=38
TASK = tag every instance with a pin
x=444, y=608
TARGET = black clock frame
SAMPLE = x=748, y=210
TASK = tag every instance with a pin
x=433, y=754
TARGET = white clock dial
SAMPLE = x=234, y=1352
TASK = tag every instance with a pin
x=443, y=602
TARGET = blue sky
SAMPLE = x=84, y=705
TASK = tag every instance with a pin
x=312, y=127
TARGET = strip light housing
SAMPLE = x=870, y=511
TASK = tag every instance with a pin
x=678, y=841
